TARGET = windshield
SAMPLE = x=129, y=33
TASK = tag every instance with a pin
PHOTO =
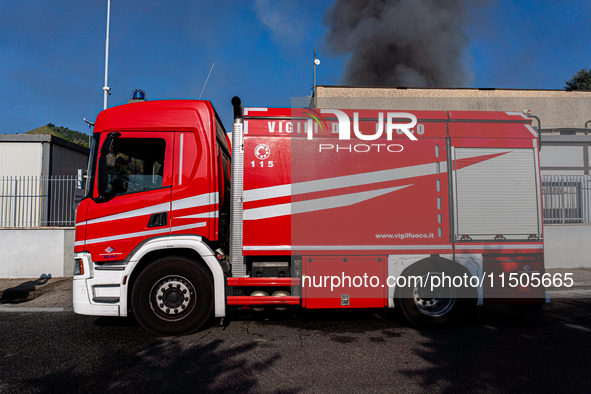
x=94, y=148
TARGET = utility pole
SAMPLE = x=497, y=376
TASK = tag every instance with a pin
x=106, y=88
x=316, y=62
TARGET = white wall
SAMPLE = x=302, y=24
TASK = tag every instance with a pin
x=561, y=156
x=20, y=158
x=567, y=246
x=29, y=253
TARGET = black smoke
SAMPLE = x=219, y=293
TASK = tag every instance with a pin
x=415, y=43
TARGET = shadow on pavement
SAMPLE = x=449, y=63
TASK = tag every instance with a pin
x=505, y=348
x=513, y=349
x=25, y=291
x=115, y=321
x=339, y=325
x=165, y=366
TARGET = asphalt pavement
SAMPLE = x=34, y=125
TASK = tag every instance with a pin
x=46, y=348
x=505, y=349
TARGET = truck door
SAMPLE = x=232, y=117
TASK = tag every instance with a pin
x=194, y=186
x=136, y=205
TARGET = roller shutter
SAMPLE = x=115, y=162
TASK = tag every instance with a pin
x=495, y=193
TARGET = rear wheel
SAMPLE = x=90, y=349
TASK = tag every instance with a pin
x=173, y=296
x=439, y=307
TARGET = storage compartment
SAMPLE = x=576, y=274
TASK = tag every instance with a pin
x=496, y=194
x=344, y=282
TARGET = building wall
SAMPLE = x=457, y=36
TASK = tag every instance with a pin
x=555, y=108
x=565, y=154
x=560, y=155
x=21, y=158
x=66, y=161
x=567, y=246
x=34, y=155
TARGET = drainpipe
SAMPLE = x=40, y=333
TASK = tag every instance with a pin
x=539, y=131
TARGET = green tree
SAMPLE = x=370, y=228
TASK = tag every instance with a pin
x=580, y=81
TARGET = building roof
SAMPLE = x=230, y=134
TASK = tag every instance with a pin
x=558, y=109
x=52, y=139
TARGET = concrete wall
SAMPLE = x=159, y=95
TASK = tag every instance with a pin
x=29, y=253
x=567, y=246
x=20, y=159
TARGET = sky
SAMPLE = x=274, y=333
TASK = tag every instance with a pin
x=52, y=53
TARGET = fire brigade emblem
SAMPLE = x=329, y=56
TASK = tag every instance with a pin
x=262, y=151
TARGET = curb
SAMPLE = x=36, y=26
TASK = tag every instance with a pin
x=582, y=285
x=576, y=286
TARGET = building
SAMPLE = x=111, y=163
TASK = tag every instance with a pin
x=38, y=180
x=565, y=125
x=564, y=116
x=40, y=155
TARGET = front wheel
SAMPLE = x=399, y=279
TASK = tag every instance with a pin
x=172, y=296
x=437, y=307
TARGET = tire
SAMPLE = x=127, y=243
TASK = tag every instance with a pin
x=441, y=308
x=173, y=296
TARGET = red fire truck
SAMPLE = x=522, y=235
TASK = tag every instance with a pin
x=312, y=208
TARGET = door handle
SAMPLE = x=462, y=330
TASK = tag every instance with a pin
x=158, y=219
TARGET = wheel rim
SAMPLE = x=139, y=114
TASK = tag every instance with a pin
x=434, y=303
x=172, y=298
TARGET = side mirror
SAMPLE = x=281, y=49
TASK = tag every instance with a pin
x=102, y=163
x=108, y=143
x=102, y=175
x=81, y=179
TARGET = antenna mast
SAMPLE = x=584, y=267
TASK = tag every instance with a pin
x=206, y=80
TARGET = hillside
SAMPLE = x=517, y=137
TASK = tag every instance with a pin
x=62, y=132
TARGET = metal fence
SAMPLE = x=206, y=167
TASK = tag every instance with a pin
x=37, y=201
x=566, y=199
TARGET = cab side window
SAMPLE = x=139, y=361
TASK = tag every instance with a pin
x=135, y=165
